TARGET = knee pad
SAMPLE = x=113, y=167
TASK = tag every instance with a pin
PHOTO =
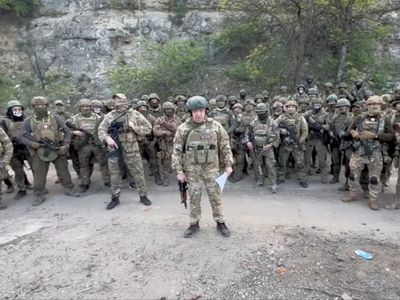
x=351, y=176
x=373, y=180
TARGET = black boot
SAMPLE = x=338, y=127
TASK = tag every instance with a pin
x=144, y=200
x=20, y=195
x=191, y=230
x=221, y=227
x=114, y=202
x=304, y=184
x=10, y=187
x=83, y=188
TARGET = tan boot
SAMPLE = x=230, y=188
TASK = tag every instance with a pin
x=373, y=204
x=350, y=197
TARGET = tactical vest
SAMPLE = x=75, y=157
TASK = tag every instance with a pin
x=46, y=128
x=87, y=123
x=262, y=134
x=375, y=124
x=222, y=117
x=202, y=145
x=13, y=128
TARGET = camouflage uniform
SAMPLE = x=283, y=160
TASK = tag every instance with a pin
x=395, y=124
x=224, y=116
x=181, y=110
x=59, y=110
x=198, y=151
x=154, y=106
x=344, y=93
x=6, y=152
x=360, y=92
x=164, y=130
x=88, y=146
x=263, y=134
x=129, y=147
x=35, y=129
x=292, y=144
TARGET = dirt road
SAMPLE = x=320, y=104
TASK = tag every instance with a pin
x=296, y=244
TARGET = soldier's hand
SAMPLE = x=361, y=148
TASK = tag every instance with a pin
x=132, y=126
x=35, y=145
x=284, y=131
x=250, y=146
x=181, y=177
x=63, y=150
x=228, y=170
x=111, y=143
x=79, y=133
x=267, y=147
x=367, y=135
x=355, y=134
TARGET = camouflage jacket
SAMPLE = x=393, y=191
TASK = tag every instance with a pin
x=298, y=120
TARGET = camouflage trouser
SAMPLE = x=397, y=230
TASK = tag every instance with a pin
x=240, y=162
x=197, y=176
x=85, y=155
x=18, y=167
x=322, y=154
x=164, y=163
x=148, y=152
x=397, y=196
x=298, y=155
x=134, y=164
x=40, y=169
x=73, y=155
x=337, y=158
x=374, y=164
x=266, y=159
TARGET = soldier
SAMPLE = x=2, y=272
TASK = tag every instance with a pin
x=97, y=107
x=133, y=103
x=87, y=143
x=164, y=130
x=201, y=145
x=36, y=130
x=357, y=109
x=318, y=126
x=265, y=94
x=6, y=152
x=109, y=105
x=12, y=126
x=360, y=92
x=331, y=105
x=232, y=100
x=301, y=95
x=154, y=105
x=242, y=96
x=277, y=109
x=60, y=111
x=310, y=84
x=212, y=105
x=294, y=132
x=340, y=144
x=237, y=111
x=240, y=149
x=261, y=138
x=259, y=98
x=368, y=130
x=181, y=110
x=284, y=95
x=344, y=93
x=129, y=124
x=304, y=105
x=223, y=115
x=328, y=90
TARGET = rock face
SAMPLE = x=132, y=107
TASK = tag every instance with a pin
x=87, y=37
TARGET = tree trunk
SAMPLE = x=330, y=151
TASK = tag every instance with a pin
x=341, y=63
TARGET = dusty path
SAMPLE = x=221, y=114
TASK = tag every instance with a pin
x=295, y=244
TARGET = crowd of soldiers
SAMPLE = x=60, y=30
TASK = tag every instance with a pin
x=313, y=131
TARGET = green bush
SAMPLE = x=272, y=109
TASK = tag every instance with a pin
x=19, y=7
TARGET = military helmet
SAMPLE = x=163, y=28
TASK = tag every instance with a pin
x=97, y=103
x=180, y=98
x=301, y=85
x=142, y=103
x=232, y=99
x=357, y=104
x=196, y=102
x=238, y=105
x=343, y=102
x=46, y=155
x=358, y=80
x=109, y=102
x=154, y=96
x=39, y=100
x=120, y=96
x=249, y=101
x=144, y=98
x=332, y=97
x=277, y=104
x=220, y=98
x=328, y=84
x=283, y=88
x=312, y=92
x=13, y=103
x=58, y=102
x=291, y=103
x=84, y=102
x=261, y=108
x=387, y=98
x=265, y=93
x=342, y=85
x=317, y=100
x=242, y=91
x=375, y=100
x=168, y=105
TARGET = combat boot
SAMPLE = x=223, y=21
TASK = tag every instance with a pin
x=72, y=192
x=10, y=188
x=191, y=230
x=2, y=205
x=38, y=200
x=394, y=205
x=145, y=201
x=366, y=194
x=273, y=188
x=221, y=227
x=373, y=204
x=304, y=184
x=344, y=188
x=113, y=203
x=132, y=186
x=20, y=195
x=107, y=184
x=350, y=197
x=335, y=179
x=165, y=182
x=83, y=188
x=324, y=179
x=280, y=181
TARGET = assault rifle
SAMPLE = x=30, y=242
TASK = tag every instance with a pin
x=367, y=146
x=291, y=136
x=88, y=134
x=44, y=142
x=182, y=190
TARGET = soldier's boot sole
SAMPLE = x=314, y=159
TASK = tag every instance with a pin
x=373, y=204
x=20, y=195
x=350, y=198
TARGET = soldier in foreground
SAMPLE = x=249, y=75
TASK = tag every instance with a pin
x=199, y=145
x=119, y=130
x=6, y=152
